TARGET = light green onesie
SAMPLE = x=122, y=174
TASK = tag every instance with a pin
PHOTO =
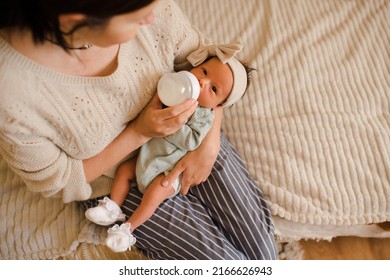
x=160, y=155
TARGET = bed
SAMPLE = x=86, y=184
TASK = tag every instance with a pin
x=314, y=127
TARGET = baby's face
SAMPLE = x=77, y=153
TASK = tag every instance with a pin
x=216, y=82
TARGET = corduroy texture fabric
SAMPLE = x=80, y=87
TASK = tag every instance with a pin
x=314, y=128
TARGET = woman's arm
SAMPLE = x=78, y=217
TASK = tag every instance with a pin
x=196, y=165
x=152, y=122
x=125, y=143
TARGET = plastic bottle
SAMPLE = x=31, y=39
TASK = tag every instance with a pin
x=174, y=88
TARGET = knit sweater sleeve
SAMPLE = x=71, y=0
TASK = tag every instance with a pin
x=44, y=167
x=31, y=146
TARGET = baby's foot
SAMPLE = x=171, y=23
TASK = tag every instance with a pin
x=119, y=238
x=106, y=213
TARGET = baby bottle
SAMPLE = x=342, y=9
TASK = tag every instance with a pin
x=174, y=88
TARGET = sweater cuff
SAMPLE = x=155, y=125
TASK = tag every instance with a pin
x=77, y=188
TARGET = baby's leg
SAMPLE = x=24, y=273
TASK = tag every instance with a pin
x=154, y=195
x=108, y=211
x=121, y=186
x=120, y=238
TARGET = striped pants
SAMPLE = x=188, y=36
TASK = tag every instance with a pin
x=224, y=218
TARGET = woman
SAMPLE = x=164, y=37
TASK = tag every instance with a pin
x=78, y=97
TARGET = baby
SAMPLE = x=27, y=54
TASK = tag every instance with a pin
x=223, y=81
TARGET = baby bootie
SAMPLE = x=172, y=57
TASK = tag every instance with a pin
x=106, y=213
x=119, y=238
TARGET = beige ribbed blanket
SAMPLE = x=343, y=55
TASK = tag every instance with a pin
x=314, y=128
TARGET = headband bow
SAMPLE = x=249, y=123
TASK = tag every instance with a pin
x=226, y=54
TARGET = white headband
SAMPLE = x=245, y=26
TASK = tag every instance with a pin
x=226, y=54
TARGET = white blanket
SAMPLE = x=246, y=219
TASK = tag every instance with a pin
x=314, y=128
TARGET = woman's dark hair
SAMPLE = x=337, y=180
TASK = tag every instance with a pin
x=41, y=16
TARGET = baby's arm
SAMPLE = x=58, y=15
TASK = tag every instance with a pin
x=191, y=135
x=154, y=195
x=121, y=186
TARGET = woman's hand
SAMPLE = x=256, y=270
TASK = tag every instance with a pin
x=154, y=121
x=195, y=166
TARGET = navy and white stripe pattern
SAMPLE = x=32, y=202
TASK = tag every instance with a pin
x=226, y=217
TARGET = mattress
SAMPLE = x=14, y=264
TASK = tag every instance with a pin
x=314, y=126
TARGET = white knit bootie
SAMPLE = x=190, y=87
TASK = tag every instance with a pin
x=106, y=213
x=119, y=238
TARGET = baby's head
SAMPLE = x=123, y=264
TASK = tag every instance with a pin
x=223, y=79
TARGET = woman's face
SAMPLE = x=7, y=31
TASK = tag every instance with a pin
x=120, y=28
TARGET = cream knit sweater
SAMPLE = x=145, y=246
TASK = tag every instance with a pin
x=51, y=121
